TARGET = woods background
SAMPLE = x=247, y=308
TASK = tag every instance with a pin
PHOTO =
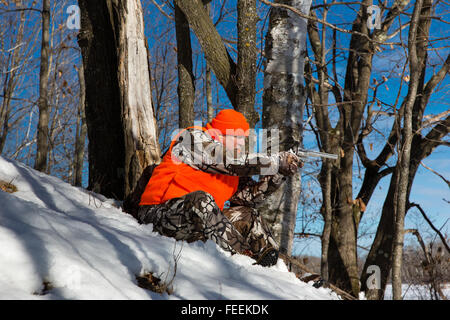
x=91, y=92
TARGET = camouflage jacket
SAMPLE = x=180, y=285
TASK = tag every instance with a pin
x=199, y=150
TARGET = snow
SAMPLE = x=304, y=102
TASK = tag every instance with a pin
x=414, y=292
x=87, y=248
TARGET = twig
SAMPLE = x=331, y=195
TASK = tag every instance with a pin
x=436, y=173
x=444, y=242
x=20, y=10
x=162, y=11
x=332, y=26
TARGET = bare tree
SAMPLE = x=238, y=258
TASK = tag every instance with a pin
x=42, y=133
x=421, y=147
x=119, y=112
x=81, y=131
x=283, y=108
x=341, y=211
x=220, y=61
x=405, y=155
x=10, y=81
x=186, y=81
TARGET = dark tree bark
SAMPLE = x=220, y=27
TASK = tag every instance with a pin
x=106, y=149
x=42, y=131
x=341, y=211
x=186, y=83
x=380, y=253
x=208, y=84
x=246, y=65
x=212, y=45
x=119, y=113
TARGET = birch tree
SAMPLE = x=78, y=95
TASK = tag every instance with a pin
x=283, y=103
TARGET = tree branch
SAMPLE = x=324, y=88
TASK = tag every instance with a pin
x=444, y=242
x=211, y=42
x=436, y=173
x=332, y=26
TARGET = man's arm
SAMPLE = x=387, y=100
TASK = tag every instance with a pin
x=250, y=193
x=199, y=150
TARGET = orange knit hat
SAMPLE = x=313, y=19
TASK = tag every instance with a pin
x=232, y=121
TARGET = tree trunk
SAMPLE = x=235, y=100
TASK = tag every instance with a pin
x=283, y=103
x=342, y=258
x=246, y=65
x=141, y=140
x=106, y=150
x=327, y=213
x=119, y=113
x=404, y=158
x=80, y=132
x=381, y=251
x=42, y=130
x=208, y=84
x=212, y=45
x=208, y=92
x=186, y=84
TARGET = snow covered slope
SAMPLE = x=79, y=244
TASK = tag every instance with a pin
x=86, y=248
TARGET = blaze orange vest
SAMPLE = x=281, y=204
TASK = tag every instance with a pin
x=175, y=179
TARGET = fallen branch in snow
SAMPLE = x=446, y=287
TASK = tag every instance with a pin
x=151, y=282
x=7, y=186
x=345, y=295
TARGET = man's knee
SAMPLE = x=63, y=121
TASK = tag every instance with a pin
x=145, y=214
x=203, y=201
x=241, y=213
x=202, y=195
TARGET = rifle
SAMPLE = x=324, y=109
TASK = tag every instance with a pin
x=303, y=153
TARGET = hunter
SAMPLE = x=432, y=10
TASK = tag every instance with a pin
x=204, y=168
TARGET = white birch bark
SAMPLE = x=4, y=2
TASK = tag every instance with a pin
x=283, y=104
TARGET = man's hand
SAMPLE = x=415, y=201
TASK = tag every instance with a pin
x=289, y=163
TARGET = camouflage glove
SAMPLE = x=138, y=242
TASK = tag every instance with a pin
x=289, y=163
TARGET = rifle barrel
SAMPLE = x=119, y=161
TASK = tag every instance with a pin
x=309, y=153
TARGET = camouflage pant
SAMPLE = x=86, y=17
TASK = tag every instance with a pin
x=196, y=216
